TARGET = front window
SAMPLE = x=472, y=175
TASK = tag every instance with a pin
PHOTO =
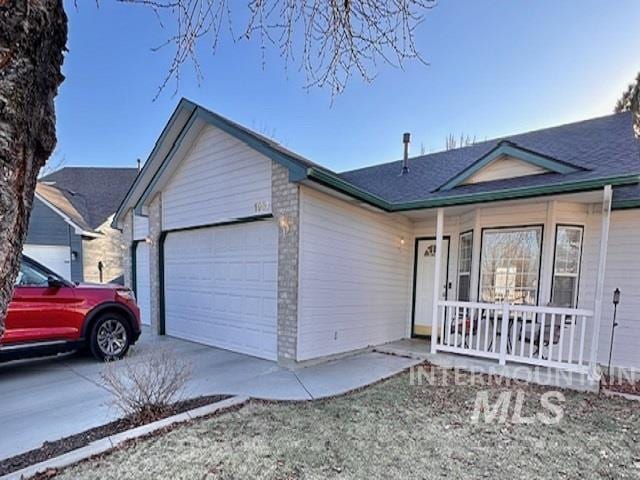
x=464, y=266
x=566, y=266
x=510, y=265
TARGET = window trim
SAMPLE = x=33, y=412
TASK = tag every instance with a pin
x=467, y=232
x=513, y=227
x=553, y=264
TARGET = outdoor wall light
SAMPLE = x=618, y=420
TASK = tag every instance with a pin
x=402, y=241
x=74, y=256
x=148, y=240
x=616, y=301
x=283, y=223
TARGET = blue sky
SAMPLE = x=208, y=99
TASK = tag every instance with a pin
x=495, y=67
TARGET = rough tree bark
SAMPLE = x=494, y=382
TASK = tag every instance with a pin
x=33, y=37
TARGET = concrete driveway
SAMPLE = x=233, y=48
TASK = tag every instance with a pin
x=47, y=399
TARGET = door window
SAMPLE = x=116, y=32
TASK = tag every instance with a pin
x=31, y=276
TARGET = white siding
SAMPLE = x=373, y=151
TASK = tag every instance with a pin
x=623, y=272
x=505, y=167
x=220, y=179
x=140, y=227
x=355, y=273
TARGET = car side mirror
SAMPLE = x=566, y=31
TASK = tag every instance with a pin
x=55, y=282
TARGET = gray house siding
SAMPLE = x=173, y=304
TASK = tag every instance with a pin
x=46, y=227
x=77, y=270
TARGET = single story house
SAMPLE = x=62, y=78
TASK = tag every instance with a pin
x=70, y=225
x=509, y=249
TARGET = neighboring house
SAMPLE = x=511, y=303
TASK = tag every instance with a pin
x=70, y=225
x=236, y=242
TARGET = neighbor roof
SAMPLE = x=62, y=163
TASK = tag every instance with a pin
x=87, y=195
x=599, y=148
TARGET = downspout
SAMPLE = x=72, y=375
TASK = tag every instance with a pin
x=602, y=263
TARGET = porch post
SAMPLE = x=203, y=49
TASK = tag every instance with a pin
x=436, y=279
x=602, y=262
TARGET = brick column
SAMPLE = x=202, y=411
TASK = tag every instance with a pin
x=127, y=246
x=285, y=206
x=155, y=230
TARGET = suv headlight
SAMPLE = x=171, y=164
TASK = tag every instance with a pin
x=126, y=294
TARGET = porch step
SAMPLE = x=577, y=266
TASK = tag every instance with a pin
x=421, y=349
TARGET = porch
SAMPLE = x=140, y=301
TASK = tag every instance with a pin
x=420, y=349
x=498, y=288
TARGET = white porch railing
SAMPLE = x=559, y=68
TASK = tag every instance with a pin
x=541, y=336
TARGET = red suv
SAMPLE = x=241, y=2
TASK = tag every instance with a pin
x=50, y=315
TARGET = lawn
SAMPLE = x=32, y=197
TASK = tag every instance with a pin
x=391, y=430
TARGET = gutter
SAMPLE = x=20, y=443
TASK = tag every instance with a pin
x=333, y=181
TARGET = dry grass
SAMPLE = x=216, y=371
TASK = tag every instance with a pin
x=390, y=430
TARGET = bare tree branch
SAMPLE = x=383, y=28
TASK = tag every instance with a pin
x=329, y=40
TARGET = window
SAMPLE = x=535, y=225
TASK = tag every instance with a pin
x=566, y=266
x=510, y=265
x=30, y=276
x=464, y=266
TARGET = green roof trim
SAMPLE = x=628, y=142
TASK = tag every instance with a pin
x=625, y=204
x=335, y=182
x=506, y=148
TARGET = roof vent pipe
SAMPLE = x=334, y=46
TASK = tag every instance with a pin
x=406, y=139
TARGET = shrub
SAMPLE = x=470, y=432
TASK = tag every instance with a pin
x=146, y=386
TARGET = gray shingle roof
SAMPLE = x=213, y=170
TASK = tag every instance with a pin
x=89, y=194
x=604, y=147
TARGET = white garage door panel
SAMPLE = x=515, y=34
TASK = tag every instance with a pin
x=143, y=285
x=221, y=287
x=55, y=257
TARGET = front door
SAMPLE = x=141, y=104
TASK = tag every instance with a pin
x=425, y=272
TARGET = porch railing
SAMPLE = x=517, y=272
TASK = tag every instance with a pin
x=541, y=336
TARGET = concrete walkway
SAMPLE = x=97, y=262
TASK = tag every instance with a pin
x=47, y=399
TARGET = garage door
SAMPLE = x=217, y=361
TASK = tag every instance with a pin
x=54, y=257
x=221, y=287
x=143, y=285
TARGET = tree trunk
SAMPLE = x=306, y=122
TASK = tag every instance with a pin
x=33, y=37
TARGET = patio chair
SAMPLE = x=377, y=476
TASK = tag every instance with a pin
x=546, y=338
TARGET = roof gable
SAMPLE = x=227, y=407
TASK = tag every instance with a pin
x=185, y=124
x=508, y=160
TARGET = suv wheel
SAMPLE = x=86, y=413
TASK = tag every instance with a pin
x=110, y=337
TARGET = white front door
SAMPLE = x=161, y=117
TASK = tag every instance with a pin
x=425, y=272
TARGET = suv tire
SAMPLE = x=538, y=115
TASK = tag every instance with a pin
x=110, y=337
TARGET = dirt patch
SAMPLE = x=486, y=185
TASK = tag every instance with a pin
x=631, y=388
x=53, y=449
